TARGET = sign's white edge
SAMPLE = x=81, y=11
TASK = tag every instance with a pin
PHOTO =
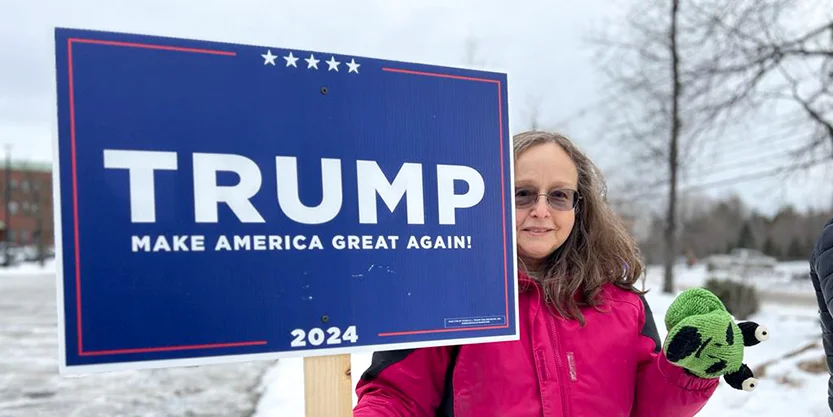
x=512, y=211
x=80, y=370
x=56, y=211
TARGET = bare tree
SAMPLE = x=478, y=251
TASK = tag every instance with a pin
x=673, y=153
x=683, y=71
x=767, y=52
x=643, y=61
x=470, y=51
x=534, y=111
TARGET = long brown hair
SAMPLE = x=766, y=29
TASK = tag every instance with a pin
x=598, y=250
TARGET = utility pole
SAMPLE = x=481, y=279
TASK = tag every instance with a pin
x=8, y=199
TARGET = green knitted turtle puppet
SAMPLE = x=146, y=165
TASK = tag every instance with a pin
x=704, y=339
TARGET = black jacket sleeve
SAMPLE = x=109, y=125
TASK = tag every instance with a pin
x=821, y=273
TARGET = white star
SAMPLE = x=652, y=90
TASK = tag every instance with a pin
x=312, y=62
x=290, y=60
x=333, y=64
x=354, y=67
x=268, y=58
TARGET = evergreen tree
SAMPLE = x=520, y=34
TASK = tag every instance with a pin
x=795, y=250
x=770, y=249
x=745, y=239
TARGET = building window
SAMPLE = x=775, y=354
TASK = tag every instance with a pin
x=25, y=206
x=25, y=186
x=13, y=207
x=14, y=184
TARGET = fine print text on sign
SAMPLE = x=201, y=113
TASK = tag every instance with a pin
x=223, y=202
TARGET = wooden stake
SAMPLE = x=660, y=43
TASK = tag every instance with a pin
x=328, y=386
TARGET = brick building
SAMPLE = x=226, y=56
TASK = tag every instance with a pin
x=29, y=204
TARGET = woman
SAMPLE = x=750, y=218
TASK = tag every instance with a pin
x=589, y=346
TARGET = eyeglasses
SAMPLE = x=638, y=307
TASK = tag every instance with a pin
x=562, y=199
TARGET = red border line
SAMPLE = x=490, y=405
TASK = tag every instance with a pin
x=502, y=207
x=79, y=327
x=434, y=74
x=151, y=46
x=75, y=200
x=503, y=202
x=171, y=348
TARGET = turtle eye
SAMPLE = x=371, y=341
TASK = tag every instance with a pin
x=730, y=335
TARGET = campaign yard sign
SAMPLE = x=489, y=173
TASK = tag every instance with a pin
x=220, y=202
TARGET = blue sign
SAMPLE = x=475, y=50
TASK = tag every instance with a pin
x=222, y=202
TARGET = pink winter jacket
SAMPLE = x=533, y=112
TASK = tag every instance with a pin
x=612, y=367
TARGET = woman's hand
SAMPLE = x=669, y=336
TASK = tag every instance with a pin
x=704, y=339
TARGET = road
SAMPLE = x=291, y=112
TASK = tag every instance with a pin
x=788, y=298
x=30, y=385
x=797, y=299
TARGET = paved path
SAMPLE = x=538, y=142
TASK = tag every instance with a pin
x=30, y=385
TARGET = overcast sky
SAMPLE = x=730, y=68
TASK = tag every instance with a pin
x=539, y=43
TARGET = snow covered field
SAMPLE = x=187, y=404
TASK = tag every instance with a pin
x=793, y=378
x=785, y=389
x=787, y=282
x=30, y=385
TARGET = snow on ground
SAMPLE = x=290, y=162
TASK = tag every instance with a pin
x=282, y=387
x=30, y=385
x=792, y=377
x=784, y=389
x=29, y=268
x=787, y=278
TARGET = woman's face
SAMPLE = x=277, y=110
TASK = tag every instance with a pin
x=540, y=228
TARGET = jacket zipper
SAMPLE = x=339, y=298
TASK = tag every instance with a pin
x=560, y=367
